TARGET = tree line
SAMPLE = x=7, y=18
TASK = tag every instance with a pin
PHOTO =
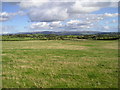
x=20, y=37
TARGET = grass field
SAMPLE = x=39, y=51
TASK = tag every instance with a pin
x=60, y=64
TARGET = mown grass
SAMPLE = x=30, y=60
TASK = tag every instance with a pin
x=60, y=64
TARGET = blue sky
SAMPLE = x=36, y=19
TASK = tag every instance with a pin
x=60, y=16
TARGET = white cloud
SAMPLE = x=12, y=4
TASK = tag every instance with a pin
x=4, y=16
x=100, y=18
x=40, y=25
x=85, y=22
x=73, y=22
x=46, y=25
x=81, y=7
x=106, y=27
x=56, y=24
x=111, y=14
x=78, y=24
x=22, y=13
x=32, y=3
x=5, y=33
x=51, y=15
x=48, y=14
x=49, y=11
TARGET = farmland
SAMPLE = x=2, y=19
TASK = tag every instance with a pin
x=60, y=64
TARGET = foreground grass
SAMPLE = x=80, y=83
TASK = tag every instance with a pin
x=60, y=64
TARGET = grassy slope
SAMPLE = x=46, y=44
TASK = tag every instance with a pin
x=56, y=64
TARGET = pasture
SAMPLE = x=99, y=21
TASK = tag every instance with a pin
x=60, y=64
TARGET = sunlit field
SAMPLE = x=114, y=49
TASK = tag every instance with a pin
x=60, y=64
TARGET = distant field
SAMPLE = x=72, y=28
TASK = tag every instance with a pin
x=60, y=64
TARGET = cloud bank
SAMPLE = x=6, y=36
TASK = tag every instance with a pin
x=47, y=11
x=64, y=15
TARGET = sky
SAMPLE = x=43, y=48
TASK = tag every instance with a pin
x=75, y=15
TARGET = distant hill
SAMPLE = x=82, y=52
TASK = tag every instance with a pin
x=66, y=32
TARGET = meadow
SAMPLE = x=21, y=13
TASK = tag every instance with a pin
x=60, y=64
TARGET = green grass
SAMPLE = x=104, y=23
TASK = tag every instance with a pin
x=60, y=64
